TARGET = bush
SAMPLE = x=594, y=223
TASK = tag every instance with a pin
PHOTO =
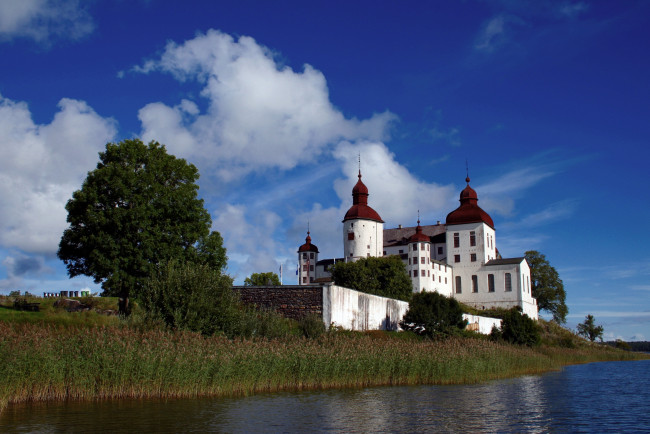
x=312, y=326
x=193, y=297
x=517, y=328
x=432, y=314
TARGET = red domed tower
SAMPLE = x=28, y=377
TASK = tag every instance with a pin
x=363, y=228
x=307, y=258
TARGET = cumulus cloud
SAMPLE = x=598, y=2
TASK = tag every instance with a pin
x=260, y=113
x=40, y=167
x=248, y=238
x=398, y=200
x=43, y=19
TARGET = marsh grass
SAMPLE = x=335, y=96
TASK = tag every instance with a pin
x=51, y=361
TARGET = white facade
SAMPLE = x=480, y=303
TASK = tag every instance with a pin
x=362, y=238
x=457, y=259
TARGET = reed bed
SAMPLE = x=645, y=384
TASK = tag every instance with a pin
x=52, y=362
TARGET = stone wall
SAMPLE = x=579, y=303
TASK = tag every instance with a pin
x=291, y=301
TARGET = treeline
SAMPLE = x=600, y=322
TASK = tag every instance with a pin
x=642, y=346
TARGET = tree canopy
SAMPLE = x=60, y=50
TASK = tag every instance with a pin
x=590, y=330
x=547, y=286
x=262, y=279
x=432, y=314
x=385, y=276
x=138, y=208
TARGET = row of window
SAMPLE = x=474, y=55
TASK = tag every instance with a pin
x=472, y=257
x=413, y=247
x=311, y=255
x=304, y=267
x=426, y=273
x=472, y=239
x=507, y=285
x=304, y=280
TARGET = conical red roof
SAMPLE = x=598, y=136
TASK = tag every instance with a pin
x=360, y=208
x=469, y=211
x=308, y=246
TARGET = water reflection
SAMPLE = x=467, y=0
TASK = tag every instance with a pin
x=587, y=398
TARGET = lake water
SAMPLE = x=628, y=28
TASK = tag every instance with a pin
x=597, y=397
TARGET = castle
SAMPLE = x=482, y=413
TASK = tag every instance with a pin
x=457, y=259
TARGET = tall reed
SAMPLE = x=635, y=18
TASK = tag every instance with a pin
x=54, y=362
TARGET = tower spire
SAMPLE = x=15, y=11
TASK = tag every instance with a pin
x=359, y=165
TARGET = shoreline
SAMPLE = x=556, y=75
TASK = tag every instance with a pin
x=55, y=363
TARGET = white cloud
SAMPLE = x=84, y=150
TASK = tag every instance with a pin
x=40, y=167
x=248, y=238
x=398, y=200
x=260, y=114
x=42, y=19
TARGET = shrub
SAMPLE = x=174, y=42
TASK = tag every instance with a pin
x=312, y=326
x=385, y=276
x=432, y=314
x=517, y=328
x=193, y=297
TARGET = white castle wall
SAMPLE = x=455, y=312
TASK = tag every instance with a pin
x=354, y=310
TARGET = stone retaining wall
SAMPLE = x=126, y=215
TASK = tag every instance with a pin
x=291, y=301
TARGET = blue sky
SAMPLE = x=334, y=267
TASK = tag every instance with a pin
x=548, y=102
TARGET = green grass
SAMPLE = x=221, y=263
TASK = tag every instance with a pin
x=47, y=361
x=58, y=355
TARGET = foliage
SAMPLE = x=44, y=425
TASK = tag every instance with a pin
x=547, y=287
x=312, y=326
x=48, y=362
x=137, y=209
x=433, y=314
x=262, y=279
x=385, y=276
x=590, y=330
x=621, y=344
x=517, y=328
x=194, y=297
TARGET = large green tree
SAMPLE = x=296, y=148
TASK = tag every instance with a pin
x=590, y=330
x=547, y=286
x=385, y=276
x=262, y=279
x=137, y=209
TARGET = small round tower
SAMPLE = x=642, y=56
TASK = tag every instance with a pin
x=307, y=258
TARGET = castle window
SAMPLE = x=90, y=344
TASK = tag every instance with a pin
x=311, y=268
x=304, y=280
x=459, y=288
x=311, y=255
x=409, y=261
x=472, y=238
x=423, y=273
x=304, y=256
x=428, y=248
x=429, y=274
x=401, y=251
x=508, y=282
x=368, y=246
x=415, y=246
x=384, y=252
x=456, y=239
x=350, y=235
x=368, y=255
x=474, y=283
x=422, y=246
x=311, y=279
x=304, y=267
x=422, y=260
x=440, y=250
x=440, y=279
x=491, y=282
x=456, y=258
x=445, y=280
x=473, y=257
